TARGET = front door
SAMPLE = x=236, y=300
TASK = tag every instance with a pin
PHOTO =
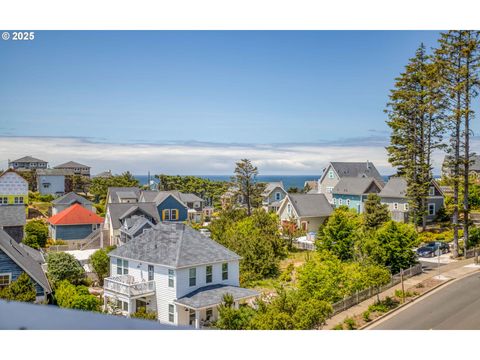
x=141, y=304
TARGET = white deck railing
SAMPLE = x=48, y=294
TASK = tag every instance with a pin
x=126, y=285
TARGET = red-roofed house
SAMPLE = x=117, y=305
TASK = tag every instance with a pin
x=74, y=223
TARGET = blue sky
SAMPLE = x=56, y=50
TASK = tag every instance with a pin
x=226, y=90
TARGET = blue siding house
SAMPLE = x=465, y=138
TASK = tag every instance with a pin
x=353, y=191
x=170, y=208
x=18, y=258
x=74, y=223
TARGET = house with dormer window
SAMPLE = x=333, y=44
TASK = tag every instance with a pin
x=273, y=195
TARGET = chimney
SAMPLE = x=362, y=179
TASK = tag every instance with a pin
x=368, y=165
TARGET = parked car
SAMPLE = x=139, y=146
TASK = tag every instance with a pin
x=430, y=249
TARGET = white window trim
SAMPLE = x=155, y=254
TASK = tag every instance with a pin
x=430, y=192
x=278, y=196
x=433, y=205
x=9, y=277
x=331, y=174
x=340, y=202
x=348, y=202
x=171, y=313
x=171, y=276
x=123, y=268
x=223, y=272
x=395, y=206
x=190, y=277
x=211, y=274
x=405, y=206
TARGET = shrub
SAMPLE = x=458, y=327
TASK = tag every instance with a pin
x=75, y=297
x=32, y=241
x=366, y=316
x=22, y=289
x=384, y=305
x=351, y=324
x=63, y=266
x=39, y=229
x=142, y=313
x=338, y=327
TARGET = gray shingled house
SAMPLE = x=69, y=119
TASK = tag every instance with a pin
x=13, y=219
x=337, y=170
x=67, y=200
x=394, y=195
x=308, y=211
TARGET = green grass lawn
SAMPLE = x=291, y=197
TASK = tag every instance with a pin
x=42, y=207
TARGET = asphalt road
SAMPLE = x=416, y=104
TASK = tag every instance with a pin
x=454, y=307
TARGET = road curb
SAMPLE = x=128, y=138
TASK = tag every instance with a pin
x=436, y=287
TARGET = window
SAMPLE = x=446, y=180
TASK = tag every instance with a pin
x=196, y=205
x=289, y=209
x=395, y=206
x=225, y=271
x=208, y=278
x=329, y=189
x=171, y=281
x=405, y=206
x=5, y=280
x=278, y=196
x=122, y=305
x=431, y=191
x=431, y=209
x=192, y=278
x=16, y=199
x=20, y=200
x=3, y=200
x=304, y=225
x=151, y=271
x=331, y=175
x=166, y=215
x=171, y=312
x=334, y=201
x=348, y=202
x=174, y=214
x=209, y=314
x=122, y=267
x=340, y=202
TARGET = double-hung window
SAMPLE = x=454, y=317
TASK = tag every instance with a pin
x=171, y=312
x=192, y=277
x=171, y=278
x=225, y=271
x=166, y=214
x=151, y=272
x=5, y=279
x=278, y=196
x=208, y=277
x=431, y=209
x=331, y=175
x=431, y=191
x=174, y=213
x=122, y=267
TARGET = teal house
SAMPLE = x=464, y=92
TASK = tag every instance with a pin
x=353, y=191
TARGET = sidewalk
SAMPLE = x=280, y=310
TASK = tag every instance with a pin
x=451, y=271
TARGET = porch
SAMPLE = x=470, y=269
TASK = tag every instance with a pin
x=199, y=308
x=126, y=295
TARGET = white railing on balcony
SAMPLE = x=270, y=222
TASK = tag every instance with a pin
x=127, y=285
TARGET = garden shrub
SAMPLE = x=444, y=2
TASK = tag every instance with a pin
x=366, y=316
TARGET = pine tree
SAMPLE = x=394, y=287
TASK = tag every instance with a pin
x=376, y=213
x=246, y=180
x=416, y=118
x=458, y=60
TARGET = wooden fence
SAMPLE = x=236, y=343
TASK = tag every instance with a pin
x=360, y=296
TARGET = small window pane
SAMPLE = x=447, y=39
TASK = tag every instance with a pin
x=209, y=274
x=225, y=271
x=193, y=277
x=170, y=278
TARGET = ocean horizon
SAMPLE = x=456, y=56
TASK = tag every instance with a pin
x=289, y=181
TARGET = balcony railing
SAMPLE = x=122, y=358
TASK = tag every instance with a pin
x=127, y=285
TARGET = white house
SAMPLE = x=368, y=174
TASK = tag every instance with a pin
x=175, y=271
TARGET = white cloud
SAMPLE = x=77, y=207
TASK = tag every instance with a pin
x=195, y=158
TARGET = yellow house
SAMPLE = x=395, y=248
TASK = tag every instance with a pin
x=13, y=188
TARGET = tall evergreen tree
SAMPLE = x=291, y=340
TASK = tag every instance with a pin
x=246, y=181
x=458, y=59
x=416, y=118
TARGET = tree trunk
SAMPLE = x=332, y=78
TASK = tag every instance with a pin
x=467, y=157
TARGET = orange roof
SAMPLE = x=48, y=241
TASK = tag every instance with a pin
x=75, y=215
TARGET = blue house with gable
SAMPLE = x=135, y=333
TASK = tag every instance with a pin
x=353, y=191
x=16, y=259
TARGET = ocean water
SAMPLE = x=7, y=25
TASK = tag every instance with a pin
x=288, y=180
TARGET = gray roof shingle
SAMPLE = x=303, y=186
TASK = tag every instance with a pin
x=357, y=169
x=23, y=257
x=310, y=205
x=174, y=245
x=12, y=215
x=117, y=210
x=159, y=196
x=71, y=165
x=354, y=185
x=54, y=172
x=28, y=159
x=396, y=187
x=213, y=295
x=70, y=198
x=116, y=193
